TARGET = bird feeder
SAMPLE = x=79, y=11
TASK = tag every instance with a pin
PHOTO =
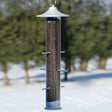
x=53, y=56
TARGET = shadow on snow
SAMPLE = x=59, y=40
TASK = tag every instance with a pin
x=89, y=77
x=40, y=78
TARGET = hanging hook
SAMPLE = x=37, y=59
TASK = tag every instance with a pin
x=55, y=3
x=51, y=3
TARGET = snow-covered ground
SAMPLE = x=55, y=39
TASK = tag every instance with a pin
x=83, y=92
x=82, y=95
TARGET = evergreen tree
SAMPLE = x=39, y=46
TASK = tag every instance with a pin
x=5, y=53
x=67, y=32
x=105, y=43
x=21, y=36
x=27, y=39
x=84, y=41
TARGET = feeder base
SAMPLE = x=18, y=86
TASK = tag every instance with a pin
x=55, y=105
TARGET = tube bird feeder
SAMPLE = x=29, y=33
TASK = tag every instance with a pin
x=53, y=56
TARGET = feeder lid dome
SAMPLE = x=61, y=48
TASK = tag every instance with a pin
x=53, y=12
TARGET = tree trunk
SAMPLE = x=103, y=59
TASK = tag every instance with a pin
x=102, y=63
x=6, y=81
x=66, y=76
x=67, y=66
x=72, y=65
x=83, y=65
x=26, y=74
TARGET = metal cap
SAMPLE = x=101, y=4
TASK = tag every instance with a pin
x=53, y=12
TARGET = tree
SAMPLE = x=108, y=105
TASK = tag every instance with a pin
x=5, y=53
x=105, y=44
x=24, y=39
x=21, y=38
x=84, y=42
x=69, y=30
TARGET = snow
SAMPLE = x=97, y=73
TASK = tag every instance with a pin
x=89, y=91
x=91, y=95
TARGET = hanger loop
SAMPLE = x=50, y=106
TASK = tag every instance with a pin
x=50, y=3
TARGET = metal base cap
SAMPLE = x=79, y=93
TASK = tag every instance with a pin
x=46, y=108
x=55, y=105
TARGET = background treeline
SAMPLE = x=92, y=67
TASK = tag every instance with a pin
x=88, y=32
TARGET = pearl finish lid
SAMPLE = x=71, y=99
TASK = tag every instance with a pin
x=53, y=12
